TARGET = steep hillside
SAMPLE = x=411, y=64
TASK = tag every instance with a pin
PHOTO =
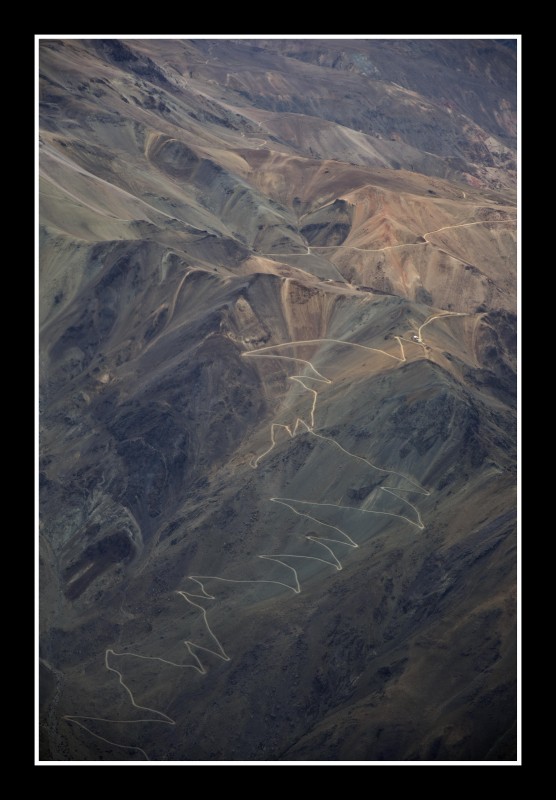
x=277, y=400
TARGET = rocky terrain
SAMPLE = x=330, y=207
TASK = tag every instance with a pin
x=277, y=400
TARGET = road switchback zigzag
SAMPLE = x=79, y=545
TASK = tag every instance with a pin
x=306, y=426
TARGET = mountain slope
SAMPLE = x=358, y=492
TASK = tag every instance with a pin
x=278, y=406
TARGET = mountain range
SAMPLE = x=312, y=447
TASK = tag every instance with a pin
x=277, y=366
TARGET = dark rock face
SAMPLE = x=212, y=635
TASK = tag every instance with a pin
x=277, y=401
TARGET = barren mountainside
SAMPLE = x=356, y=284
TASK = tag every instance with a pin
x=277, y=400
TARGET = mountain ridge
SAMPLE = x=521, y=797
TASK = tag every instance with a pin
x=277, y=400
